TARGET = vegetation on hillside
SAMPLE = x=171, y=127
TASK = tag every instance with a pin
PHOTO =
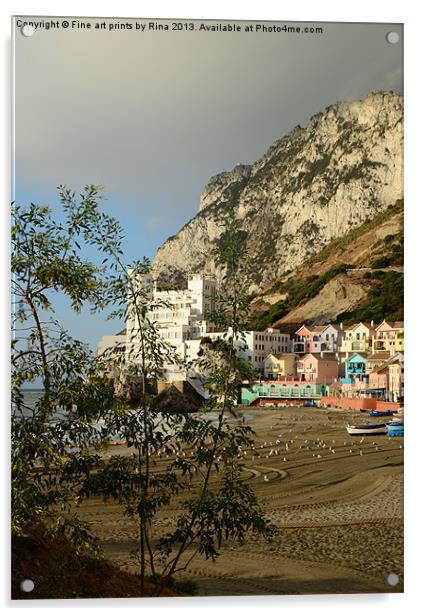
x=298, y=292
x=385, y=300
x=340, y=244
x=387, y=252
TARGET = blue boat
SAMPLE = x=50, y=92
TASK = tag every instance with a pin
x=395, y=428
x=382, y=413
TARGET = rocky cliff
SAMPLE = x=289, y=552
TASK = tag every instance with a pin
x=311, y=186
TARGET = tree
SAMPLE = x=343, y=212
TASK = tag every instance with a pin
x=82, y=407
x=46, y=472
x=202, y=449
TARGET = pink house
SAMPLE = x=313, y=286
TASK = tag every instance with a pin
x=375, y=360
x=320, y=368
x=379, y=380
x=387, y=380
x=388, y=336
x=308, y=339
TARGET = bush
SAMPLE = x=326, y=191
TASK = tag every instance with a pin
x=382, y=261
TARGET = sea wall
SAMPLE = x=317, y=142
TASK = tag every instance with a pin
x=366, y=404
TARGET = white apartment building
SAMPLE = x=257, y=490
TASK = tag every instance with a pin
x=179, y=315
x=257, y=345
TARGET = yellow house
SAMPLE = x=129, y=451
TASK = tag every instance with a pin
x=357, y=338
x=280, y=367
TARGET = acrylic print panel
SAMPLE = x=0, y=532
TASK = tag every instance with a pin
x=208, y=354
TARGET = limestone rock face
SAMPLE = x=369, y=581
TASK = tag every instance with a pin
x=311, y=186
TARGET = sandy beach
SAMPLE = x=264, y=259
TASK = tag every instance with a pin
x=336, y=500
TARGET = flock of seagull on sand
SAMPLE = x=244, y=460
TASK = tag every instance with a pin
x=318, y=447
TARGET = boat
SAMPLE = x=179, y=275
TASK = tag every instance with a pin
x=395, y=427
x=357, y=429
x=381, y=413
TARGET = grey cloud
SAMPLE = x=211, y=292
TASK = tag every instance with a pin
x=153, y=116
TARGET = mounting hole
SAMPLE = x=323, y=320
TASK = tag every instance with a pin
x=27, y=585
x=27, y=30
x=392, y=579
x=392, y=38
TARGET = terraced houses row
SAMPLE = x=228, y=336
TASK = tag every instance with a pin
x=362, y=360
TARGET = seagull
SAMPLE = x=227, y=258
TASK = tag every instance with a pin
x=285, y=460
x=265, y=478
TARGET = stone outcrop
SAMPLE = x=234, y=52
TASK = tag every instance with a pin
x=311, y=186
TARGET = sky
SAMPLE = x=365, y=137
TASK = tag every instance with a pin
x=152, y=115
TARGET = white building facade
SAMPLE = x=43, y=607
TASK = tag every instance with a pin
x=182, y=319
x=256, y=346
x=179, y=315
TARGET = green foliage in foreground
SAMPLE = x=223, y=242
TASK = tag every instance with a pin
x=57, y=443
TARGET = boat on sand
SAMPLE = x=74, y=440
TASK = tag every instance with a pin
x=395, y=427
x=358, y=429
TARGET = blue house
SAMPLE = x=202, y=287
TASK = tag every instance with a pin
x=355, y=368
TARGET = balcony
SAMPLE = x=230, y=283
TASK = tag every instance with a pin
x=359, y=345
x=355, y=369
x=379, y=345
x=298, y=347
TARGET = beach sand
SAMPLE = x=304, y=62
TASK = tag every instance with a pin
x=336, y=501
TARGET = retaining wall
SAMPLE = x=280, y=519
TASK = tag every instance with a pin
x=366, y=404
